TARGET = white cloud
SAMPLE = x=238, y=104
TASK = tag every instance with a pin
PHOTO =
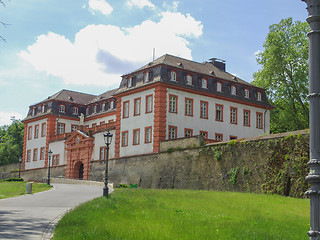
x=100, y=54
x=5, y=117
x=101, y=6
x=173, y=7
x=140, y=3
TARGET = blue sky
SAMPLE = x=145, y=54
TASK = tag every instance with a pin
x=86, y=45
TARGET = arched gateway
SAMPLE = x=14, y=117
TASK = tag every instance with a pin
x=79, y=148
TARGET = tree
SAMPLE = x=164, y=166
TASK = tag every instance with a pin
x=11, y=142
x=284, y=74
x=3, y=23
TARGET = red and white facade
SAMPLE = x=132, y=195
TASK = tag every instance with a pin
x=168, y=98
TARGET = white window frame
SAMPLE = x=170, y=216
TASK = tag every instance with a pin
x=233, y=115
x=126, y=109
x=189, y=80
x=124, y=139
x=246, y=118
x=173, y=104
x=61, y=128
x=259, y=96
x=148, y=134
x=246, y=93
x=43, y=107
x=136, y=136
x=173, y=76
x=189, y=103
x=62, y=108
x=204, y=109
x=146, y=77
x=149, y=101
x=172, y=133
x=188, y=133
x=130, y=80
x=204, y=83
x=219, y=87
x=233, y=90
x=75, y=110
x=137, y=106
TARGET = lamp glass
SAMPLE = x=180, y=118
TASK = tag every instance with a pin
x=50, y=153
x=107, y=138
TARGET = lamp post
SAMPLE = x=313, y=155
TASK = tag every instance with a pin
x=49, y=154
x=20, y=161
x=313, y=8
x=107, y=140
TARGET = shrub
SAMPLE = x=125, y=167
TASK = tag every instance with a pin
x=14, y=179
x=233, y=173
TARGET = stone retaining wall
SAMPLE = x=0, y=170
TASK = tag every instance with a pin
x=271, y=164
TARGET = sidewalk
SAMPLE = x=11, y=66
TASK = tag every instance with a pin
x=27, y=217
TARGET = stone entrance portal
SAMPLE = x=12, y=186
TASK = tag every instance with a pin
x=79, y=148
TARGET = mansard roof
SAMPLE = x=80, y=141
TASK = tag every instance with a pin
x=205, y=68
x=71, y=97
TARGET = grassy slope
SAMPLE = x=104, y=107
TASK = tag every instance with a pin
x=13, y=189
x=185, y=214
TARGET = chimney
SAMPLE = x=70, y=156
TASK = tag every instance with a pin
x=219, y=63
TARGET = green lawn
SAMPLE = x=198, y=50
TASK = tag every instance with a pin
x=186, y=214
x=14, y=189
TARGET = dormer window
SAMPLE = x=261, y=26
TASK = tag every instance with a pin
x=129, y=82
x=219, y=87
x=259, y=97
x=246, y=93
x=233, y=90
x=87, y=111
x=173, y=76
x=189, y=79
x=204, y=83
x=75, y=110
x=62, y=108
x=43, y=108
x=103, y=107
x=146, y=77
x=33, y=111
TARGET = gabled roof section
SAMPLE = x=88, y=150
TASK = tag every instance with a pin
x=71, y=97
x=103, y=96
x=74, y=135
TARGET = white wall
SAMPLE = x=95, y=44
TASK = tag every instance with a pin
x=68, y=124
x=58, y=148
x=99, y=142
x=137, y=122
x=97, y=121
x=35, y=143
x=210, y=125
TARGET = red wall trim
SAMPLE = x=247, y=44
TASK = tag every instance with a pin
x=160, y=116
x=118, y=127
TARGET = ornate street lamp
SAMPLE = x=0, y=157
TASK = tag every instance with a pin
x=20, y=161
x=49, y=154
x=107, y=140
x=313, y=7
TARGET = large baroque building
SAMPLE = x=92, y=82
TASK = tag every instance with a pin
x=166, y=99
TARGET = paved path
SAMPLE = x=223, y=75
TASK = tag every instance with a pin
x=27, y=217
